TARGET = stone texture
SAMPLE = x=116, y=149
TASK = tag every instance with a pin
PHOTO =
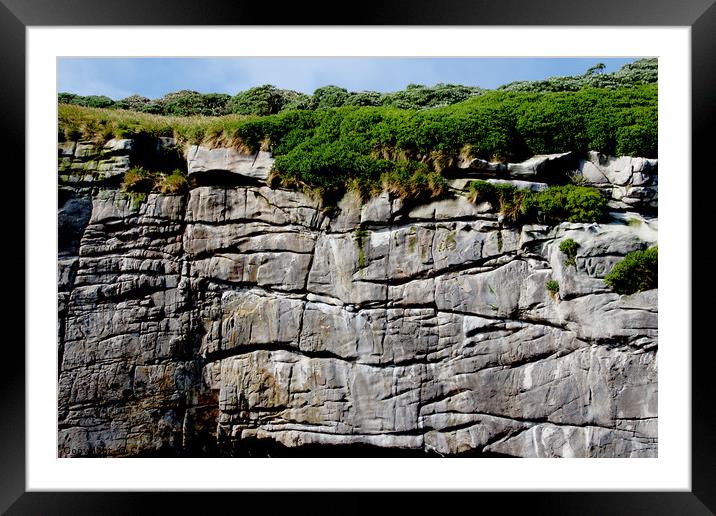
x=250, y=165
x=197, y=324
x=631, y=183
x=543, y=165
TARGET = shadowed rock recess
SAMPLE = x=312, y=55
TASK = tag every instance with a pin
x=238, y=319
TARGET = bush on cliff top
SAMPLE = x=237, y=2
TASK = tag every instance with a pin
x=269, y=100
x=641, y=71
x=329, y=148
x=636, y=272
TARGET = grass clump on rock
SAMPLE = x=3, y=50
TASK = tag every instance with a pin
x=553, y=287
x=138, y=182
x=414, y=180
x=636, y=272
x=174, y=183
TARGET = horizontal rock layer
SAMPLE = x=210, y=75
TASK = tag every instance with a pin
x=198, y=324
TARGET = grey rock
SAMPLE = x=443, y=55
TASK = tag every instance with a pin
x=630, y=182
x=255, y=165
x=521, y=185
x=201, y=323
x=124, y=146
x=543, y=164
x=481, y=165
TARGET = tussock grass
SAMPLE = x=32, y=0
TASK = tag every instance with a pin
x=100, y=125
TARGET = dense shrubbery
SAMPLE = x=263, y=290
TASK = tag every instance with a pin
x=327, y=147
x=95, y=101
x=365, y=146
x=555, y=204
x=266, y=100
x=569, y=202
x=642, y=71
x=269, y=100
x=638, y=271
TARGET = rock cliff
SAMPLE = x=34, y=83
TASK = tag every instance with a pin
x=241, y=319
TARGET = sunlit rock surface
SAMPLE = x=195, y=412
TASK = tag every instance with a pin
x=237, y=316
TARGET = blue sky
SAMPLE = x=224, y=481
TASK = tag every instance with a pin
x=154, y=77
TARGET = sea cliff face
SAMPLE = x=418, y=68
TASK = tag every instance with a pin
x=242, y=319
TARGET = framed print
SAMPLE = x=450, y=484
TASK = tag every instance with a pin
x=316, y=285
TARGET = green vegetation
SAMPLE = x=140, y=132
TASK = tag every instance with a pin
x=569, y=247
x=636, y=272
x=266, y=100
x=642, y=71
x=555, y=204
x=270, y=100
x=336, y=140
x=174, y=183
x=360, y=235
x=553, y=287
x=94, y=101
x=414, y=180
x=506, y=197
x=569, y=202
x=139, y=182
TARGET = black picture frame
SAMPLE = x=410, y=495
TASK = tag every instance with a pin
x=16, y=15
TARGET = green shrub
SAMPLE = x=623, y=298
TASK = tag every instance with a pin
x=364, y=98
x=555, y=204
x=569, y=247
x=552, y=286
x=133, y=103
x=641, y=71
x=636, y=272
x=417, y=96
x=330, y=97
x=264, y=100
x=191, y=103
x=569, y=202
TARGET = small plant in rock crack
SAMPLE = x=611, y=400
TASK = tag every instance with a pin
x=553, y=287
x=568, y=247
